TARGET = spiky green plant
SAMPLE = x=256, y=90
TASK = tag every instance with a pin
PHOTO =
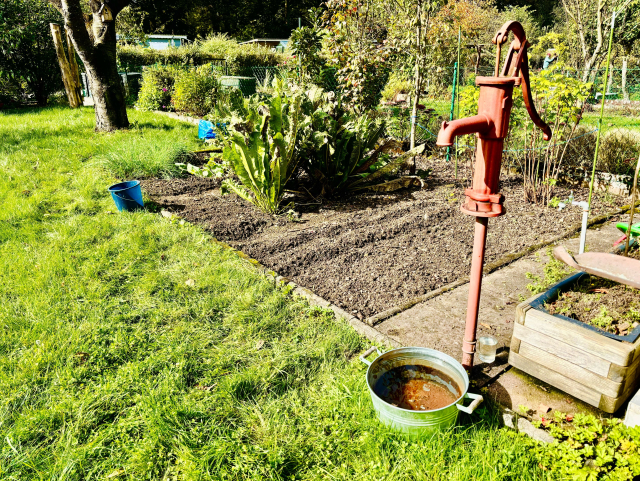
x=262, y=151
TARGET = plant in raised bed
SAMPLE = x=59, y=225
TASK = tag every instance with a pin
x=588, y=448
x=262, y=150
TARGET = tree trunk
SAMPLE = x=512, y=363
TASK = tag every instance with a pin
x=94, y=38
x=108, y=93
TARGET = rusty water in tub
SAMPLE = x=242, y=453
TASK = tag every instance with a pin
x=416, y=387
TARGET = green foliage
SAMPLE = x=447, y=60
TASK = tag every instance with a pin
x=157, y=88
x=238, y=58
x=398, y=83
x=343, y=153
x=354, y=46
x=130, y=26
x=306, y=46
x=132, y=57
x=554, y=272
x=197, y=91
x=262, y=151
x=589, y=448
x=28, y=62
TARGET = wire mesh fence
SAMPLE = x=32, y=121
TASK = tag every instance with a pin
x=573, y=148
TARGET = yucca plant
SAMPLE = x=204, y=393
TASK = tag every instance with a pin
x=262, y=151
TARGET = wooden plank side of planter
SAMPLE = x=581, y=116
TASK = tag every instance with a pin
x=620, y=353
x=580, y=358
x=622, y=374
x=598, y=384
x=611, y=405
x=557, y=380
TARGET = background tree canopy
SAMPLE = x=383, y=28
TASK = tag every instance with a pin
x=243, y=19
x=28, y=63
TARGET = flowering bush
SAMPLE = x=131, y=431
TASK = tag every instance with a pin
x=157, y=88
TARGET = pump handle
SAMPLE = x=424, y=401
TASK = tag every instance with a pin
x=520, y=65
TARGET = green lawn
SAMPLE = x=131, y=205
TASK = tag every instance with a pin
x=113, y=367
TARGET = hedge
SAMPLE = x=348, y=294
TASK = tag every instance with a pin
x=216, y=50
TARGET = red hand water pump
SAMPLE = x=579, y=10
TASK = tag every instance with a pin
x=491, y=126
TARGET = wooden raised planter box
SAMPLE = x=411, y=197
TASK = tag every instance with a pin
x=592, y=365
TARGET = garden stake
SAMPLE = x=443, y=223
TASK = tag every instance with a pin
x=634, y=196
x=604, y=90
x=458, y=99
x=491, y=126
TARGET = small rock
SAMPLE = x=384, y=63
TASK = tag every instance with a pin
x=166, y=213
x=508, y=420
x=543, y=409
x=190, y=282
x=527, y=428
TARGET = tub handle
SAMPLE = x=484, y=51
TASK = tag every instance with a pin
x=369, y=352
x=477, y=399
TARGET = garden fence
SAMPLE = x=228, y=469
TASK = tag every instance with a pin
x=620, y=137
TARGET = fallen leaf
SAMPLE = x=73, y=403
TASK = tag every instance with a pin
x=569, y=418
x=190, y=282
x=544, y=388
x=205, y=388
x=545, y=422
x=83, y=356
x=623, y=327
x=166, y=213
x=601, y=290
x=116, y=473
x=543, y=408
x=487, y=326
x=259, y=344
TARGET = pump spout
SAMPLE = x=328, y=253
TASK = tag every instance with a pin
x=471, y=125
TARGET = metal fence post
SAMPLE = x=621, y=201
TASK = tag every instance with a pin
x=453, y=101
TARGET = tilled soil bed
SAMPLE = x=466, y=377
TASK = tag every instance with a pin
x=369, y=252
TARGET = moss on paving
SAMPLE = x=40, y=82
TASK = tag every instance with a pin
x=113, y=366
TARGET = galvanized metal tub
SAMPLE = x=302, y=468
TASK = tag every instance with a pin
x=419, y=422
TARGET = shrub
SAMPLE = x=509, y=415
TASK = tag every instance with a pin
x=344, y=154
x=217, y=49
x=133, y=57
x=397, y=84
x=196, y=91
x=239, y=58
x=157, y=88
x=28, y=64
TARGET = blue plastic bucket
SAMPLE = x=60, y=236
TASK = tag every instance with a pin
x=127, y=195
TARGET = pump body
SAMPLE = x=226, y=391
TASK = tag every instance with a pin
x=491, y=126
